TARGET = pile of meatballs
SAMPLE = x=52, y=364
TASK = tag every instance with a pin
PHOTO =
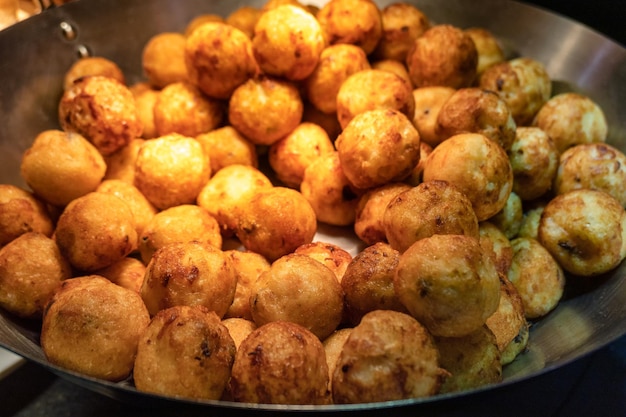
x=308, y=205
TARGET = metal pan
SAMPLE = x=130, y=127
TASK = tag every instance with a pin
x=35, y=54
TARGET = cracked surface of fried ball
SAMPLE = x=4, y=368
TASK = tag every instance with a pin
x=333, y=256
x=163, y=59
x=402, y=24
x=93, y=65
x=22, y=212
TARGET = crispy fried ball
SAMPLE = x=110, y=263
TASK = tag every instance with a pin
x=333, y=345
x=336, y=64
x=474, y=110
x=219, y=58
x=145, y=98
x=531, y=220
x=298, y=289
x=534, y=160
x=121, y=164
x=428, y=103
x=585, y=231
x=101, y=109
x=163, y=59
x=444, y=55
x=226, y=146
x=489, y=50
x=228, y=189
x=291, y=155
x=356, y=22
x=280, y=363
x=184, y=223
x=368, y=282
x=371, y=89
x=328, y=121
x=472, y=360
x=597, y=166
x=331, y=255
x=510, y=218
x=287, y=42
x=244, y=18
x=275, y=221
x=127, y=272
x=571, y=119
x=378, y=146
x=272, y=4
x=326, y=187
x=247, y=266
x=199, y=20
x=239, y=328
x=185, y=352
x=448, y=283
x=392, y=65
x=92, y=326
x=415, y=178
x=22, y=212
x=61, y=166
x=95, y=231
x=370, y=210
x=402, y=24
x=383, y=346
x=523, y=83
x=478, y=166
x=189, y=273
x=495, y=243
x=182, y=108
x=92, y=65
x=432, y=207
x=171, y=170
x=31, y=268
x=536, y=275
x=265, y=109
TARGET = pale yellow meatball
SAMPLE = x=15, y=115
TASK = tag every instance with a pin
x=244, y=18
x=226, y=146
x=510, y=218
x=219, y=58
x=478, y=166
x=496, y=244
x=163, y=59
x=523, y=83
x=571, y=119
x=489, y=49
x=22, y=212
x=247, y=266
x=127, y=272
x=402, y=24
x=93, y=65
x=531, y=220
x=121, y=164
x=332, y=256
x=443, y=55
x=597, y=166
x=145, y=97
x=61, y=166
x=171, y=170
x=428, y=104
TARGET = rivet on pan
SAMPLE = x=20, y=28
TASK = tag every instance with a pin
x=83, y=51
x=68, y=31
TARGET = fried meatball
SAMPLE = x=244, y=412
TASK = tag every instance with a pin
x=378, y=146
x=145, y=98
x=384, y=345
x=92, y=65
x=333, y=345
x=298, y=289
x=31, y=269
x=171, y=170
x=226, y=146
x=371, y=89
x=402, y=24
x=479, y=167
x=585, y=231
x=22, y=212
x=509, y=219
x=280, y=363
x=61, y=166
x=428, y=104
x=189, y=273
x=597, y=166
x=127, y=272
x=247, y=266
x=495, y=243
x=244, y=18
x=265, y=109
x=101, y=109
x=523, y=83
x=332, y=256
x=415, y=178
x=444, y=55
x=432, y=207
x=571, y=119
x=531, y=220
x=394, y=66
x=163, y=59
x=185, y=352
x=534, y=160
x=201, y=19
x=95, y=231
x=448, y=283
x=121, y=164
x=239, y=328
x=328, y=121
x=92, y=326
x=489, y=50
x=474, y=110
x=219, y=58
x=356, y=22
x=275, y=221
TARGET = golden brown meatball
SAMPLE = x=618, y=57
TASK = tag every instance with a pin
x=92, y=65
x=265, y=109
x=31, y=269
x=428, y=104
x=378, y=146
x=101, y=109
x=121, y=164
x=397, y=67
x=226, y=146
x=219, y=58
x=448, y=283
x=95, y=231
x=189, y=273
x=489, y=50
x=247, y=266
x=92, y=326
x=127, y=272
x=298, y=289
x=495, y=243
x=443, y=55
x=384, y=345
x=280, y=363
x=163, y=59
x=432, y=207
x=479, y=167
x=244, y=18
x=61, y=166
x=332, y=256
x=185, y=352
x=22, y=212
x=199, y=20
x=402, y=24
x=145, y=97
